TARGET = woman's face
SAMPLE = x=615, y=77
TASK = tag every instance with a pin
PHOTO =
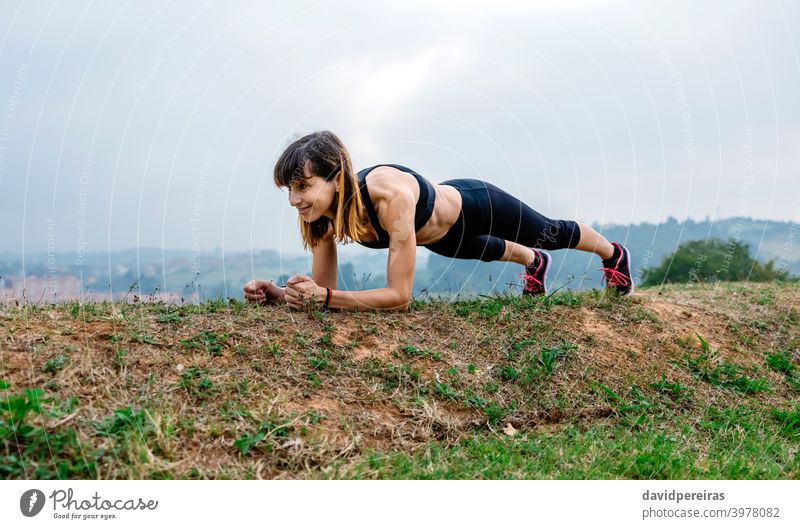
x=313, y=196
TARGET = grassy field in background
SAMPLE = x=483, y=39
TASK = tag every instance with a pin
x=682, y=382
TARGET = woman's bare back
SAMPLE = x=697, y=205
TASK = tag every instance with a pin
x=384, y=182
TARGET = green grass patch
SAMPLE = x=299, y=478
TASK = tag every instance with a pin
x=137, y=440
x=789, y=422
x=675, y=390
x=674, y=447
x=781, y=361
x=537, y=363
x=484, y=307
x=30, y=449
x=54, y=364
x=413, y=351
x=169, y=317
x=269, y=434
x=320, y=360
x=144, y=338
x=634, y=409
x=196, y=383
x=207, y=340
x=710, y=368
x=393, y=376
x=550, y=357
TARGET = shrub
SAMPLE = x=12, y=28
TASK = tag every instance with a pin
x=712, y=260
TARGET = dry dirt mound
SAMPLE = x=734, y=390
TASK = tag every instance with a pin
x=235, y=390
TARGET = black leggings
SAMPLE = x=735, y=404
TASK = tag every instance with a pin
x=490, y=216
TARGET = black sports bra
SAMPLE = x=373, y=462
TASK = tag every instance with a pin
x=427, y=196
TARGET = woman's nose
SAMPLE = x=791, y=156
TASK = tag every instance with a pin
x=294, y=199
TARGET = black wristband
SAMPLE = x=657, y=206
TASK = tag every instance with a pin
x=327, y=298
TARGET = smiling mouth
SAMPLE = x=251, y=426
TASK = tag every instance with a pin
x=303, y=210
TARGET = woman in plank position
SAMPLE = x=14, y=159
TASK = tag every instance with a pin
x=391, y=206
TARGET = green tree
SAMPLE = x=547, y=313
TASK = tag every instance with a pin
x=712, y=260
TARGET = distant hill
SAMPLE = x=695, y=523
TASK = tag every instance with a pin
x=209, y=275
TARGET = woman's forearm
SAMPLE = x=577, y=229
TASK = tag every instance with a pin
x=375, y=299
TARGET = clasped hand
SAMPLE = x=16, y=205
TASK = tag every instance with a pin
x=300, y=289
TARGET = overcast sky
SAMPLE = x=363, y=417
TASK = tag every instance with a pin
x=137, y=123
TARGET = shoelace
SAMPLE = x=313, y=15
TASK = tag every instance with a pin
x=531, y=283
x=615, y=278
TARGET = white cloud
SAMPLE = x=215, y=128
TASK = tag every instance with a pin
x=374, y=86
x=421, y=82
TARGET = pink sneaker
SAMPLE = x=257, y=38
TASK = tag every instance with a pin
x=617, y=270
x=535, y=274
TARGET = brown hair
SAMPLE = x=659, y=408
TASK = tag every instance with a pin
x=327, y=156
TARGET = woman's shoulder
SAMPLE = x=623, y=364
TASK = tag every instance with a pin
x=377, y=171
x=386, y=182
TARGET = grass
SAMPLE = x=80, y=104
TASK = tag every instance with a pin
x=675, y=390
x=576, y=385
x=207, y=340
x=735, y=443
x=709, y=367
x=54, y=364
x=32, y=449
x=196, y=383
x=781, y=361
x=136, y=440
x=411, y=350
x=264, y=438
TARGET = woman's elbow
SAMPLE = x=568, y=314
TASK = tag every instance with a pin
x=401, y=302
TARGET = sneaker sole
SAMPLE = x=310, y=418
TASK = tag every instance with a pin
x=546, y=268
x=630, y=268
